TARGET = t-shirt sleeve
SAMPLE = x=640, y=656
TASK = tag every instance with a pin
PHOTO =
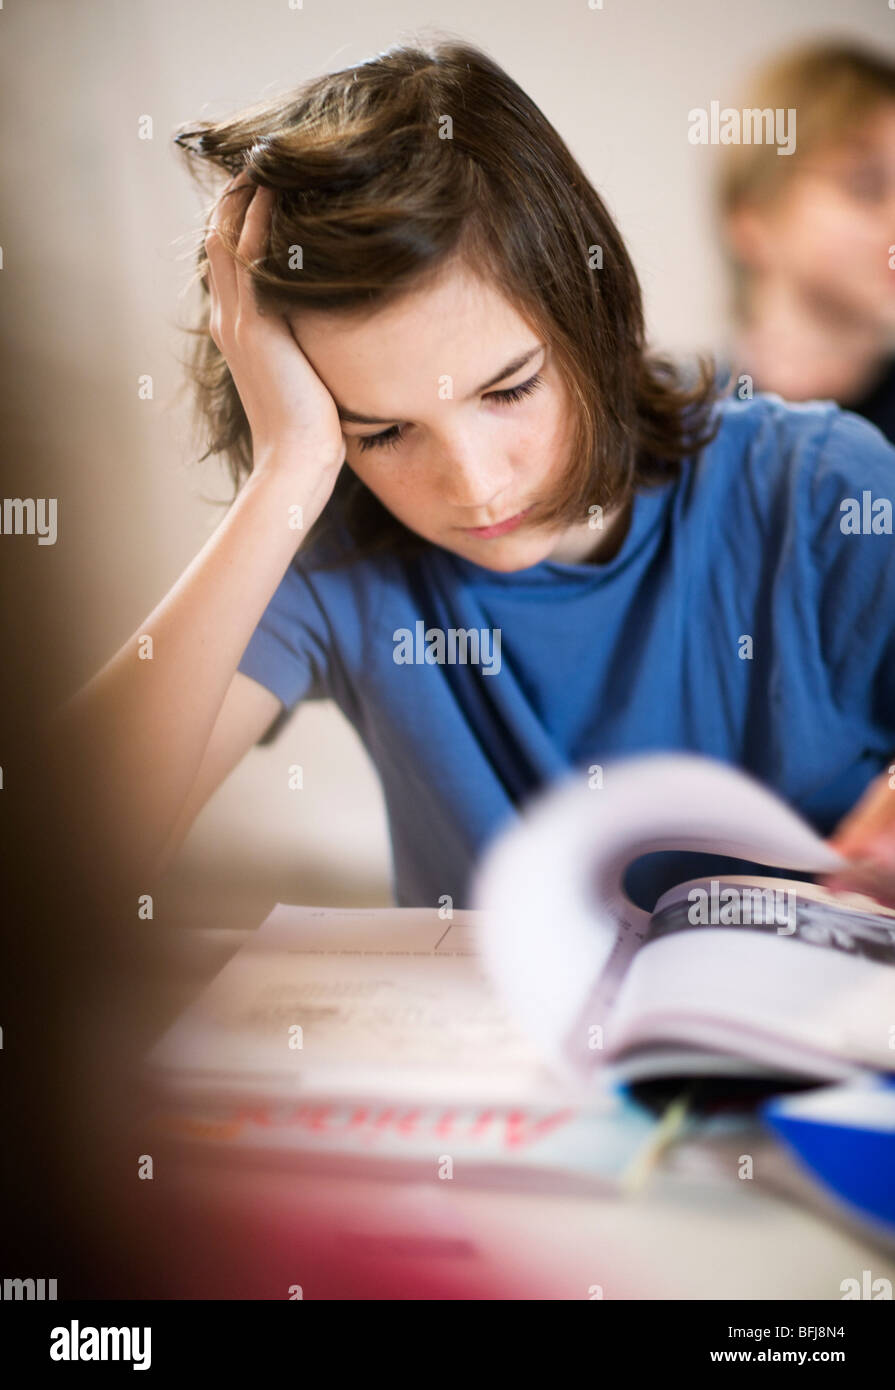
x=850, y=498
x=289, y=651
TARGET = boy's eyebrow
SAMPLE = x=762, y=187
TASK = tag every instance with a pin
x=352, y=416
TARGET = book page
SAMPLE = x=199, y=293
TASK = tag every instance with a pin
x=354, y=1004
x=560, y=932
x=779, y=971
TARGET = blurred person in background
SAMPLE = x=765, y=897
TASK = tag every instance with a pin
x=810, y=236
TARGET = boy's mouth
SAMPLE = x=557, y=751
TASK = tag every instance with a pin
x=500, y=528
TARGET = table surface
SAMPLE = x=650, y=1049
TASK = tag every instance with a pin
x=696, y=1231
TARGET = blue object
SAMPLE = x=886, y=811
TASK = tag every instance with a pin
x=845, y=1136
x=736, y=620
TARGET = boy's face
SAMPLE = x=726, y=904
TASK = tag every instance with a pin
x=830, y=229
x=448, y=454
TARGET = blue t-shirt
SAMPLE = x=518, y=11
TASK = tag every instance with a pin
x=749, y=615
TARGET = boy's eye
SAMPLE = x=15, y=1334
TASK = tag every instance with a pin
x=393, y=435
x=866, y=183
x=387, y=438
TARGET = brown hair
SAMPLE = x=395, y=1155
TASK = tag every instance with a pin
x=834, y=87
x=379, y=192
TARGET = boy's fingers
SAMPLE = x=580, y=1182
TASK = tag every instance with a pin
x=870, y=883
x=241, y=216
x=229, y=215
x=231, y=204
x=872, y=817
x=253, y=243
x=227, y=212
x=871, y=869
x=221, y=270
x=256, y=224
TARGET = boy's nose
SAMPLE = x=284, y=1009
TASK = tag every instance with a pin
x=474, y=479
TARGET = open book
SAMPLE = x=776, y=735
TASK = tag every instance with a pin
x=372, y=1040
x=735, y=975
x=500, y=1034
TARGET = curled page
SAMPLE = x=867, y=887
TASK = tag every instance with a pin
x=560, y=931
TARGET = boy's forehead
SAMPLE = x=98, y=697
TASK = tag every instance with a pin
x=456, y=298
x=457, y=324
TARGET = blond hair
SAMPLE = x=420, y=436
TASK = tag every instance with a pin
x=834, y=87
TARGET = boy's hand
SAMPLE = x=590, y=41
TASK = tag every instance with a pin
x=293, y=418
x=867, y=836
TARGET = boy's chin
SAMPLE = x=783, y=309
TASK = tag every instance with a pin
x=504, y=554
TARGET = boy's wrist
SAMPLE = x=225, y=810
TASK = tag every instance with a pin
x=287, y=497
